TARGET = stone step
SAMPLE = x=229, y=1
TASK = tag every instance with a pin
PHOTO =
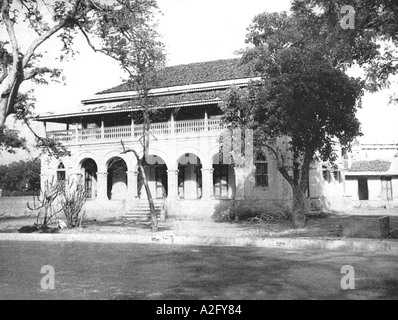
x=141, y=212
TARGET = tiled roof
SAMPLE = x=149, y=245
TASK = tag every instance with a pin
x=199, y=72
x=182, y=99
x=371, y=165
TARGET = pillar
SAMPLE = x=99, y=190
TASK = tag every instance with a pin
x=172, y=184
x=207, y=183
x=102, y=128
x=102, y=185
x=132, y=126
x=132, y=192
x=240, y=177
x=172, y=125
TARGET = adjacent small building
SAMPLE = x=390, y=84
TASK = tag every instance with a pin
x=371, y=179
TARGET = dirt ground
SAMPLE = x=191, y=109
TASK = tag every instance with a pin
x=326, y=226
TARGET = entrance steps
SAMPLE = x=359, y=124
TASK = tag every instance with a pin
x=140, y=211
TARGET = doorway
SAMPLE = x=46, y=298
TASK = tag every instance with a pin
x=363, y=191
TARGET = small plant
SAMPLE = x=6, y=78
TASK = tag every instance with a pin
x=72, y=199
x=44, y=205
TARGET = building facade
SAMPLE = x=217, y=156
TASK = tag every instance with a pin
x=372, y=176
x=187, y=175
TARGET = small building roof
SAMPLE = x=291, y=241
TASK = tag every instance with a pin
x=371, y=165
x=374, y=168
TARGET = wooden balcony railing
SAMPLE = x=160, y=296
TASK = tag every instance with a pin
x=160, y=129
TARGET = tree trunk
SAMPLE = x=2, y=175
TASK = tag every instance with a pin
x=298, y=207
x=3, y=110
x=154, y=218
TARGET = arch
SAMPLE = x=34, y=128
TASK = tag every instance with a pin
x=189, y=176
x=189, y=149
x=116, y=178
x=156, y=173
x=128, y=158
x=88, y=171
x=81, y=158
x=61, y=172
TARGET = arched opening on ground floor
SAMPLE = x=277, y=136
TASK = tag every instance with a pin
x=88, y=171
x=223, y=179
x=116, y=179
x=189, y=176
x=156, y=174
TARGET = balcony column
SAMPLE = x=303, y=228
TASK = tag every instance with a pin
x=102, y=185
x=77, y=133
x=206, y=122
x=132, y=126
x=102, y=128
x=207, y=183
x=172, y=128
x=132, y=192
x=172, y=184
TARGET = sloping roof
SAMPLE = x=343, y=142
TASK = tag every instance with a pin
x=199, y=72
x=178, y=100
x=370, y=166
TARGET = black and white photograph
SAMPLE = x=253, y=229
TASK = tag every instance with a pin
x=200, y=156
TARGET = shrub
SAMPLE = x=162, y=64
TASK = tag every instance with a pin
x=244, y=211
x=222, y=213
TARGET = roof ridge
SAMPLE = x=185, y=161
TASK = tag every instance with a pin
x=193, y=73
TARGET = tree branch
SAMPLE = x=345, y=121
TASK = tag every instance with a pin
x=38, y=41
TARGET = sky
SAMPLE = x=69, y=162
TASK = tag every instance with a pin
x=193, y=31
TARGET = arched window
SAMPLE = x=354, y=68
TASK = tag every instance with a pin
x=61, y=176
x=261, y=174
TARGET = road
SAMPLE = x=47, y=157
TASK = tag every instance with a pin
x=133, y=271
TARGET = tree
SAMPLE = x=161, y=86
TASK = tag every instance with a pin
x=111, y=27
x=302, y=99
x=20, y=176
x=371, y=43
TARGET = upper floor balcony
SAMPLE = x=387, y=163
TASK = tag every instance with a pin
x=184, y=128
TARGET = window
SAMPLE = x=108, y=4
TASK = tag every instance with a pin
x=261, y=170
x=326, y=174
x=220, y=180
x=61, y=172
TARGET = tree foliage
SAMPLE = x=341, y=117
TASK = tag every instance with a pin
x=372, y=43
x=121, y=29
x=20, y=176
x=304, y=97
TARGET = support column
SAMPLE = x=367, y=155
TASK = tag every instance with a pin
x=102, y=128
x=240, y=177
x=102, y=185
x=132, y=192
x=132, y=126
x=207, y=183
x=172, y=125
x=172, y=184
